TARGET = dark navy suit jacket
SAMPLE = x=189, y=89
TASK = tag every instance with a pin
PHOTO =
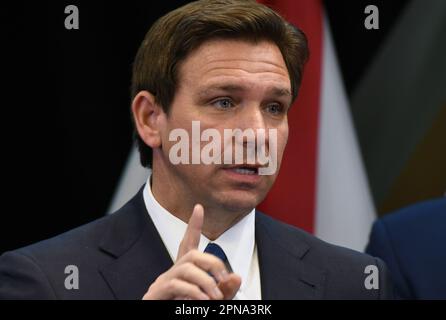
x=412, y=242
x=120, y=255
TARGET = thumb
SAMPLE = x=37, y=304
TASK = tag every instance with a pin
x=230, y=286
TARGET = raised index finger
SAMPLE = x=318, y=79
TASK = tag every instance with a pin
x=192, y=235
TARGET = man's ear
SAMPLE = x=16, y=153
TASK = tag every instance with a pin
x=148, y=116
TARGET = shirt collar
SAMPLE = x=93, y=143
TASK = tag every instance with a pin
x=237, y=242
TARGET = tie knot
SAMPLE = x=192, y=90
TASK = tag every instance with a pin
x=217, y=251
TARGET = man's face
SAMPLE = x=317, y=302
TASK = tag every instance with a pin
x=229, y=84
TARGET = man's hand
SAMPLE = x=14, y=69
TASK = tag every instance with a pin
x=189, y=277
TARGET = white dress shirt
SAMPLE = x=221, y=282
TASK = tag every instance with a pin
x=238, y=243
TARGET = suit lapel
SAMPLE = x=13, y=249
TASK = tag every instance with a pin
x=140, y=255
x=283, y=272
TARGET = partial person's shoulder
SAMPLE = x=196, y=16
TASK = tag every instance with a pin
x=411, y=242
x=427, y=212
x=425, y=219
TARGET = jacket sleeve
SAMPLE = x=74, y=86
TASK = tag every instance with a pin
x=22, y=278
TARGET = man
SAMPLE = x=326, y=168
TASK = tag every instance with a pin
x=412, y=243
x=222, y=65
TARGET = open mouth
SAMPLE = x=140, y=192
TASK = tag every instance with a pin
x=245, y=170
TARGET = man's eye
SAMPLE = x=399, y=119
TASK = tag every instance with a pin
x=223, y=103
x=275, y=108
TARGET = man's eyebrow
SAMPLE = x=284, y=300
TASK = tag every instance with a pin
x=281, y=92
x=226, y=87
x=277, y=91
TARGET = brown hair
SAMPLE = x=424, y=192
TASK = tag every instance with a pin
x=178, y=33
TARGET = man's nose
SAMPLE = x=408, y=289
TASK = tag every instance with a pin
x=252, y=117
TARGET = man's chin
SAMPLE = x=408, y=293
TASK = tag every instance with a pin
x=240, y=202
